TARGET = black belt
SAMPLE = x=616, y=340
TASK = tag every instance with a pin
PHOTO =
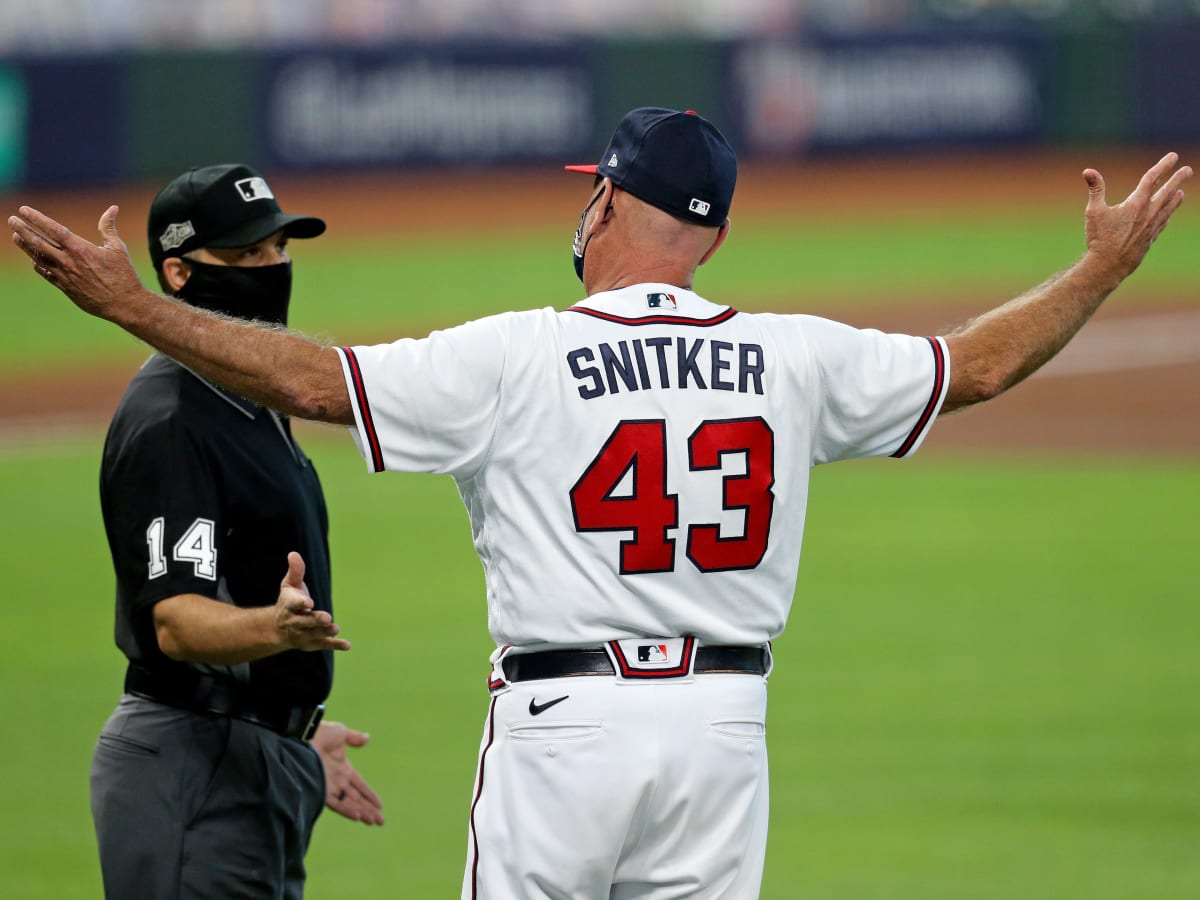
x=219, y=697
x=572, y=663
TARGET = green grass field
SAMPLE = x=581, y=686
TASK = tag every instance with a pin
x=987, y=688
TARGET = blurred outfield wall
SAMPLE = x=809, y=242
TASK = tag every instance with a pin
x=81, y=120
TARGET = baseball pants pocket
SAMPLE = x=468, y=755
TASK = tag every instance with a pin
x=740, y=729
x=555, y=731
x=116, y=743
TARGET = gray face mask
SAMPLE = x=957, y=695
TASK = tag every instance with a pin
x=260, y=293
x=579, y=245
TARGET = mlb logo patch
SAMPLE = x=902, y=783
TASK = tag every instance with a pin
x=176, y=234
x=638, y=659
x=652, y=653
x=699, y=207
x=661, y=301
x=254, y=189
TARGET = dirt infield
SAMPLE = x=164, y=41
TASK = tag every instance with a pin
x=1117, y=402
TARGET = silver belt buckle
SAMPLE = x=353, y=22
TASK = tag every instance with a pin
x=314, y=720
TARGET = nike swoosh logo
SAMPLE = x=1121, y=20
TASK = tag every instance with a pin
x=536, y=709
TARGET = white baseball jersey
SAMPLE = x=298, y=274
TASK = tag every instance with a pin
x=638, y=464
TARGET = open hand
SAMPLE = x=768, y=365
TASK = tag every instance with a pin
x=94, y=277
x=300, y=626
x=345, y=791
x=1121, y=235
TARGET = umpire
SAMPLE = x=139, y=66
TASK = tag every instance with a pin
x=210, y=774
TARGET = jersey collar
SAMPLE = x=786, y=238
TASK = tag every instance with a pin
x=652, y=303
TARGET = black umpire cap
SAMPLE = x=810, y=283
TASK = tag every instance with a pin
x=228, y=205
x=676, y=161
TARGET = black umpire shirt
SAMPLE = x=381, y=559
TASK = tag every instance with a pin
x=204, y=492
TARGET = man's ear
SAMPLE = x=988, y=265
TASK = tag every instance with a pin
x=176, y=271
x=722, y=233
x=608, y=198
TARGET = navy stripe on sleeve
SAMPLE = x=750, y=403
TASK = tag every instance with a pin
x=935, y=398
x=364, y=409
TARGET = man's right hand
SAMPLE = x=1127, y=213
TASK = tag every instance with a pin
x=300, y=626
x=195, y=628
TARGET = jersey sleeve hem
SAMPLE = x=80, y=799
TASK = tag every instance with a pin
x=365, y=434
x=941, y=384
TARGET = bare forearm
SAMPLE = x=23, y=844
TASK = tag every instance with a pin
x=193, y=628
x=1002, y=347
x=278, y=368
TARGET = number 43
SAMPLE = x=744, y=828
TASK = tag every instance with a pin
x=196, y=546
x=640, y=447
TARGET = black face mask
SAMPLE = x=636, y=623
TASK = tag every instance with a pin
x=248, y=292
x=579, y=245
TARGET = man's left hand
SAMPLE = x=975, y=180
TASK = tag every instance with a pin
x=345, y=791
x=97, y=278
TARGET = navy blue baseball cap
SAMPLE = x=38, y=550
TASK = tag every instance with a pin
x=676, y=161
x=228, y=205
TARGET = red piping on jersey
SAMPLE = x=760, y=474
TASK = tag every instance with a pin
x=684, y=667
x=939, y=376
x=478, y=794
x=657, y=320
x=494, y=684
x=364, y=408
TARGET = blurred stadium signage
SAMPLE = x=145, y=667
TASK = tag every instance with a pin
x=13, y=104
x=366, y=109
x=337, y=106
x=797, y=97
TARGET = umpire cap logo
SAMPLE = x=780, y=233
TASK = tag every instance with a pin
x=176, y=234
x=254, y=189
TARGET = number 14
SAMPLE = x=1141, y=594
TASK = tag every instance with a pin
x=640, y=447
x=196, y=546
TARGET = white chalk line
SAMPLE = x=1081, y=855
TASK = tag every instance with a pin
x=1132, y=342
x=48, y=437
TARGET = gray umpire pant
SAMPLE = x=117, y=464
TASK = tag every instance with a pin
x=189, y=806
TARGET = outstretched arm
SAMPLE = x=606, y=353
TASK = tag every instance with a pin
x=990, y=354
x=199, y=629
x=278, y=368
